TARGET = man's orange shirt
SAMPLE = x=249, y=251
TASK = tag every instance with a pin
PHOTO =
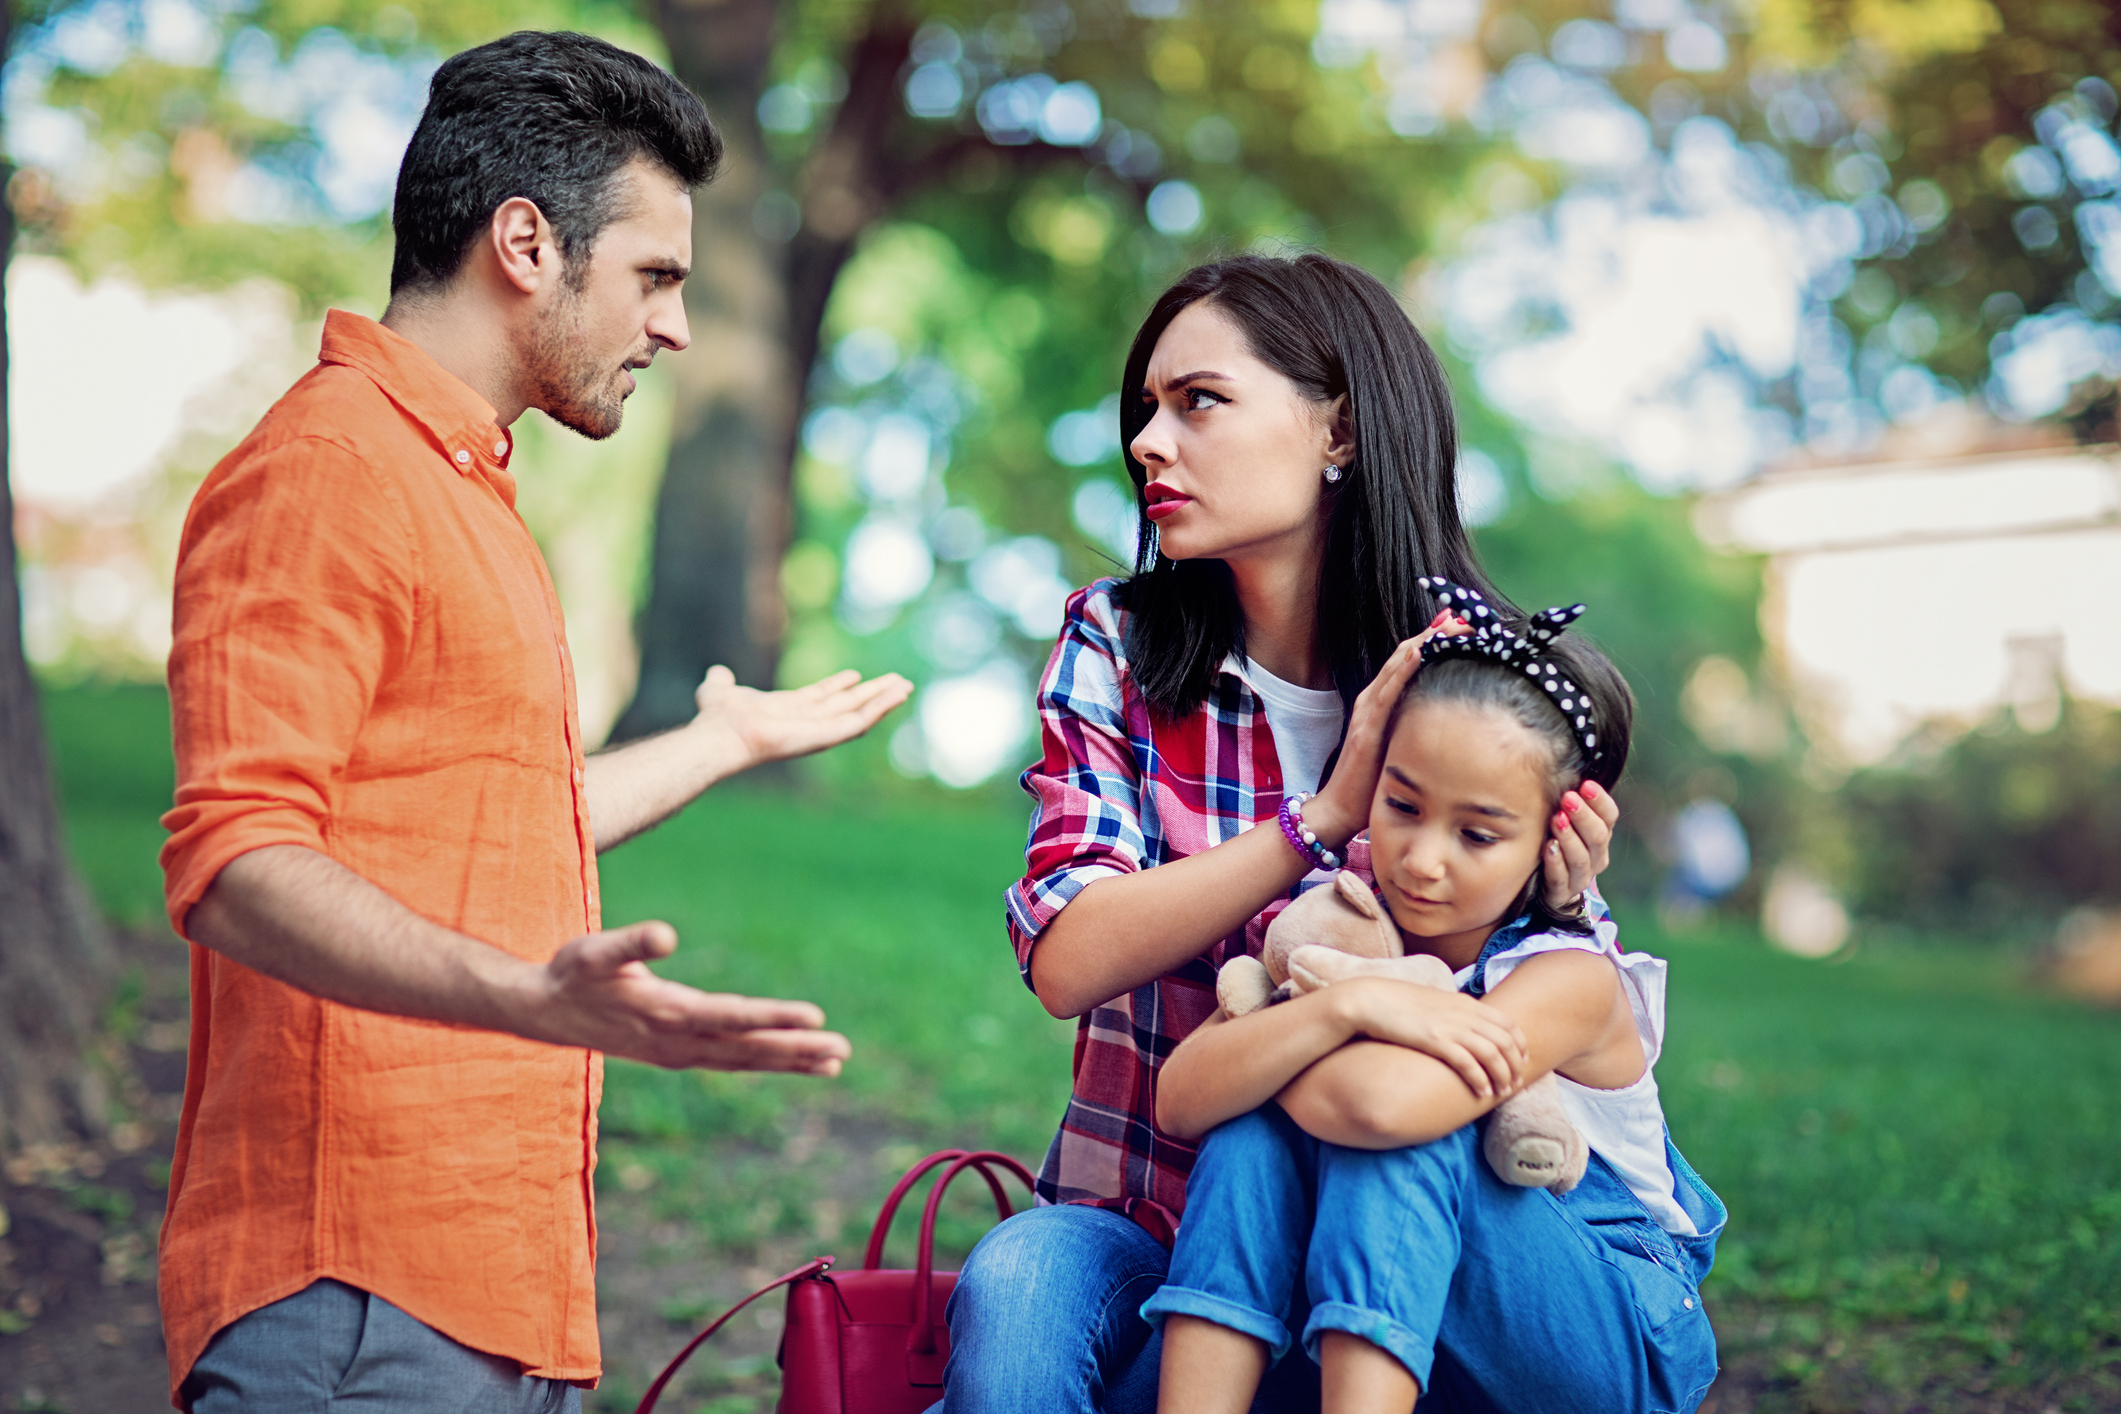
x=370, y=663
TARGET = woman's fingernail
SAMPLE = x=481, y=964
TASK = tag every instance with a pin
x=1571, y=804
x=1590, y=790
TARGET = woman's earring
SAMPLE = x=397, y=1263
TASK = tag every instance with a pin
x=1332, y=472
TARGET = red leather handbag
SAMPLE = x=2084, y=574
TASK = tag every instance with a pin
x=867, y=1341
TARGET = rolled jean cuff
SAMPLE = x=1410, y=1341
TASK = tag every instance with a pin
x=1388, y=1335
x=1174, y=1300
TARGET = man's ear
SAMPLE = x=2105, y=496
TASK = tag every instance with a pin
x=523, y=244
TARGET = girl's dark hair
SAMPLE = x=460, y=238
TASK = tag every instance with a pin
x=550, y=117
x=1333, y=330
x=1484, y=682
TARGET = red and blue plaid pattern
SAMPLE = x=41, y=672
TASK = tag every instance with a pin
x=1118, y=791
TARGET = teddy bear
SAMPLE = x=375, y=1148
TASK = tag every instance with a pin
x=1331, y=934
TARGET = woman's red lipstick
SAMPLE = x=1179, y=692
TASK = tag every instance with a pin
x=1163, y=500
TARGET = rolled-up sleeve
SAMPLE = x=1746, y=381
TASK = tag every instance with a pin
x=295, y=597
x=1086, y=822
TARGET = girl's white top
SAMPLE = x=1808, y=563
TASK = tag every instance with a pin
x=1625, y=1127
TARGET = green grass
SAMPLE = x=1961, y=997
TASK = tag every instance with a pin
x=887, y=915
x=110, y=755
x=1914, y=1148
x=1918, y=1151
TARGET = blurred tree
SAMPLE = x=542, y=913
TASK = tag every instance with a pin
x=53, y=966
x=1993, y=833
x=994, y=189
x=1077, y=122
x=1978, y=139
x=1972, y=142
x=215, y=144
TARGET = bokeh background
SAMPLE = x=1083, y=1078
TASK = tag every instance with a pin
x=1785, y=333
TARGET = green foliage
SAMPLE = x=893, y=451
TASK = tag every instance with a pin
x=1953, y=119
x=1910, y=112
x=169, y=137
x=1990, y=833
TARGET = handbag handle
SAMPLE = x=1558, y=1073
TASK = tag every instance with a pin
x=873, y=1255
x=816, y=1266
x=922, y=1337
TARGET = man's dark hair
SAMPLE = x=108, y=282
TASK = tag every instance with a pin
x=1334, y=331
x=551, y=118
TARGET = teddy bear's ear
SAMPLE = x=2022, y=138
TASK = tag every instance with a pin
x=1357, y=893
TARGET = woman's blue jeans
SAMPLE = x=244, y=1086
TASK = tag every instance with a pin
x=1047, y=1316
x=1495, y=1298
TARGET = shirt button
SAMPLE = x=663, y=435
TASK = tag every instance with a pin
x=463, y=457
x=1688, y=1303
x=578, y=775
x=500, y=449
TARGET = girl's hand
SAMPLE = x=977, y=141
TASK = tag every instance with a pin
x=1582, y=843
x=1341, y=809
x=1482, y=1044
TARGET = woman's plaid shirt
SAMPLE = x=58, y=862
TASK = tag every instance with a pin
x=1117, y=791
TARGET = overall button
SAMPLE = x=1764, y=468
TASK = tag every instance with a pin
x=463, y=457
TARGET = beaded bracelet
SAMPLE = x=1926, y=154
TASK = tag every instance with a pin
x=1301, y=837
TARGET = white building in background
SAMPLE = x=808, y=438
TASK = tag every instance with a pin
x=1962, y=567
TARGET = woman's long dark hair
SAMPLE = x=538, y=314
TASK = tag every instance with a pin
x=1332, y=330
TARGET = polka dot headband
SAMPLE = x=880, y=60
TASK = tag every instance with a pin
x=1492, y=638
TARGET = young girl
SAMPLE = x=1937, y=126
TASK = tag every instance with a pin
x=1341, y=1197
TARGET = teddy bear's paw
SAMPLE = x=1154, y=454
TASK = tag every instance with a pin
x=1313, y=966
x=1572, y=1167
x=1419, y=967
x=1534, y=1161
x=1243, y=986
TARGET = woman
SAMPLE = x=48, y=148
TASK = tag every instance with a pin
x=1291, y=439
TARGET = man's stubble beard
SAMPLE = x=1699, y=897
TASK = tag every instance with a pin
x=566, y=382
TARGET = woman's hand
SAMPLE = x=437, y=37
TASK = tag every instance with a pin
x=1341, y=809
x=1484, y=1046
x=1582, y=843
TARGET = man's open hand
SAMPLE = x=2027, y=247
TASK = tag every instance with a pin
x=598, y=992
x=773, y=726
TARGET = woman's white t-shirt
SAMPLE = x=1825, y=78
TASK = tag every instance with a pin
x=1305, y=723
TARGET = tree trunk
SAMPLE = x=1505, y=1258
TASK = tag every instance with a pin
x=53, y=964
x=725, y=512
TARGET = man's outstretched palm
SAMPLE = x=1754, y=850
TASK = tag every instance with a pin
x=773, y=726
x=600, y=993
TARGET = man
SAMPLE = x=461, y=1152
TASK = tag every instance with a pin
x=386, y=830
